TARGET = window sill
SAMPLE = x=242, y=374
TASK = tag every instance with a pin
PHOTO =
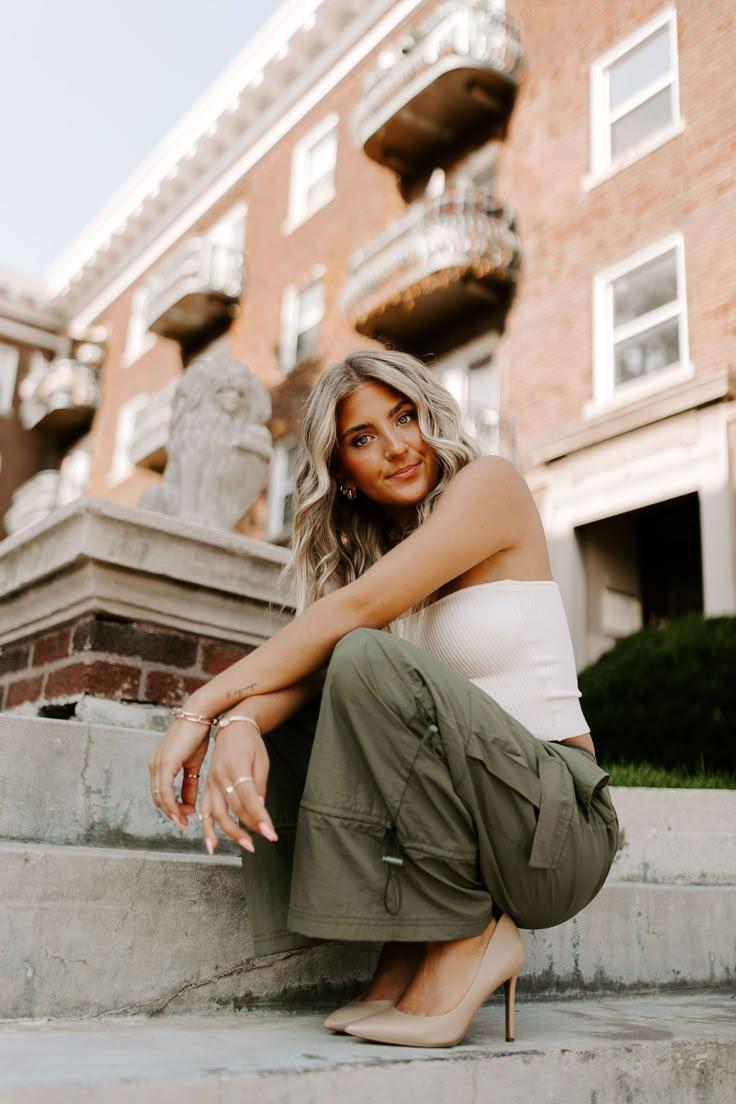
x=634, y=390
x=593, y=179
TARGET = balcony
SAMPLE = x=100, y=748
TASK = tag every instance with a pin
x=445, y=270
x=451, y=87
x=150, y=431
x=195, y=290
x=60, y=396
x=33, y=500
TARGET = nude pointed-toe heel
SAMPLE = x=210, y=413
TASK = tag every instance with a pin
x=500, y=965
x=355, y=1011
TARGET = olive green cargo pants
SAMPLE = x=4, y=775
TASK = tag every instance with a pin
x=410, y=806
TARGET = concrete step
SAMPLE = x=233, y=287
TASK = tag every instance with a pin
x=87, y=931
x=617, y=1050
x=87, y=784
x=83, y=784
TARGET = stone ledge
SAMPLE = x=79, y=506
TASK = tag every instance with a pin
x=95, y=556
x=612, y=1050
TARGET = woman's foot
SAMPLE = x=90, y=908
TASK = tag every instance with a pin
x=444, y=975
x=396, y=966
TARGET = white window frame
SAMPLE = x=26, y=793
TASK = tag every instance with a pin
x=139, y=339
x=121, y=466
x=290, y=318
x=280, y=486
x=230, y=229
x=299, y=208
x=602, y=118
x=461, y=360
x=605, y=392
x=9, y=360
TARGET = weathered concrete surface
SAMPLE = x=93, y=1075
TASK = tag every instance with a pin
x=676, y=836
x=91, y=930
x=100, y=795
x=632, y=1050
x=94, y=555
x=67, y=782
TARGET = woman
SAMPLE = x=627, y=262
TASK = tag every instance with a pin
x=441, y=773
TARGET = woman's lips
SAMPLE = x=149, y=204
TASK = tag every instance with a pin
x=405, y=473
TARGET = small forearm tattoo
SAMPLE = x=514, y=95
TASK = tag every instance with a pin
x=238, y=695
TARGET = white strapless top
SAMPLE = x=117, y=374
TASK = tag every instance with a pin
x=511, y=639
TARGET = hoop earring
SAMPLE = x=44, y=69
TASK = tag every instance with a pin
x=350, y=492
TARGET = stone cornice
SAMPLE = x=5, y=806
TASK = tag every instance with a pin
x=702, y=390
x=266, y=82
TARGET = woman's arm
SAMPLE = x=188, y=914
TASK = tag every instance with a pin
x=483, y=511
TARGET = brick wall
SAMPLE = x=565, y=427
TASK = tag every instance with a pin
x=124, y=661
x=568, y=232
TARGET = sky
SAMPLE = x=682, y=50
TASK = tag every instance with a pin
x=88, y=87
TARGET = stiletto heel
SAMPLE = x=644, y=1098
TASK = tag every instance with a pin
x=509, y=992
x=500, y=964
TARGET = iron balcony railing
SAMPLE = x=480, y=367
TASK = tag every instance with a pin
x=456, y=71
x=456, y=240
x=60, y=395
x=194, y=288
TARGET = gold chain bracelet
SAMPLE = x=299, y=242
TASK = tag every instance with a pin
x=185, y=715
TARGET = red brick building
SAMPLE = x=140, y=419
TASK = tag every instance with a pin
x=539, y=201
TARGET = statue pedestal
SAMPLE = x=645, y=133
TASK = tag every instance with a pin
x=112, y=603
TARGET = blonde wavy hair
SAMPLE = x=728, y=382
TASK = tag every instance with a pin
x=335, y=540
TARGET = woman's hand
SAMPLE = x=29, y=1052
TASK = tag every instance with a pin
x=182, y=748
x=236, y=780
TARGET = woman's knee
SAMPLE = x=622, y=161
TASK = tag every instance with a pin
x=358, y=651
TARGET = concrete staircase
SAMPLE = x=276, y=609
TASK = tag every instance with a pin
x=109, y=914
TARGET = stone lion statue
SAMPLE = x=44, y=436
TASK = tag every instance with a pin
x=218, y=449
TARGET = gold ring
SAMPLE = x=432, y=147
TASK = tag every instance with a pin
x=191, y=774
x=205, y=816
x=236, y=783
x=155, y=791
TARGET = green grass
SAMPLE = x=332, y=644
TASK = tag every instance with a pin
x=647, y=774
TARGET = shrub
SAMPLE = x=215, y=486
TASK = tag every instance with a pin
x=667, y=696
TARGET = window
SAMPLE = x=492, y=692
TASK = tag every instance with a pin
x=313, y=172
x=122, y=464
x=635, y=95
x=640, y=322
x=230, y=229
x=8, y=375
x=280, y=491
x=139, y=339
x=302, y=313
x=473, y=382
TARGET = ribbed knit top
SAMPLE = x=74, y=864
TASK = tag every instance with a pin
x=510, y=638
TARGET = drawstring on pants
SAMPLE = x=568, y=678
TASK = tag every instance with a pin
x=392, y=856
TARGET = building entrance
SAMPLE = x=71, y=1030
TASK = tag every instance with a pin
x=642, y=568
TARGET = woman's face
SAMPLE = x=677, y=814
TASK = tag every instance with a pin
x=382, y=451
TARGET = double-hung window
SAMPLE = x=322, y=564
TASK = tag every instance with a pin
x=473, y=381
x=280, y=491
x=640, y=321
x=302, y=313
x=313, y=172
x=635, y=95
x=9, y=357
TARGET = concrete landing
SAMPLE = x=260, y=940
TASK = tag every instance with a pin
x=645, y=1049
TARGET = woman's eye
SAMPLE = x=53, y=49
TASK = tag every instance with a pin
x=358, y=442
x=406, y=417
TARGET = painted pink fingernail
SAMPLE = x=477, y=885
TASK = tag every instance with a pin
x=247, y=844
x=210, y=848
x=267, y=831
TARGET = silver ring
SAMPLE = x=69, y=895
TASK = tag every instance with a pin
x=236, y=783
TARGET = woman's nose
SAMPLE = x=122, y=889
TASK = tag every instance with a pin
x=395, y=445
